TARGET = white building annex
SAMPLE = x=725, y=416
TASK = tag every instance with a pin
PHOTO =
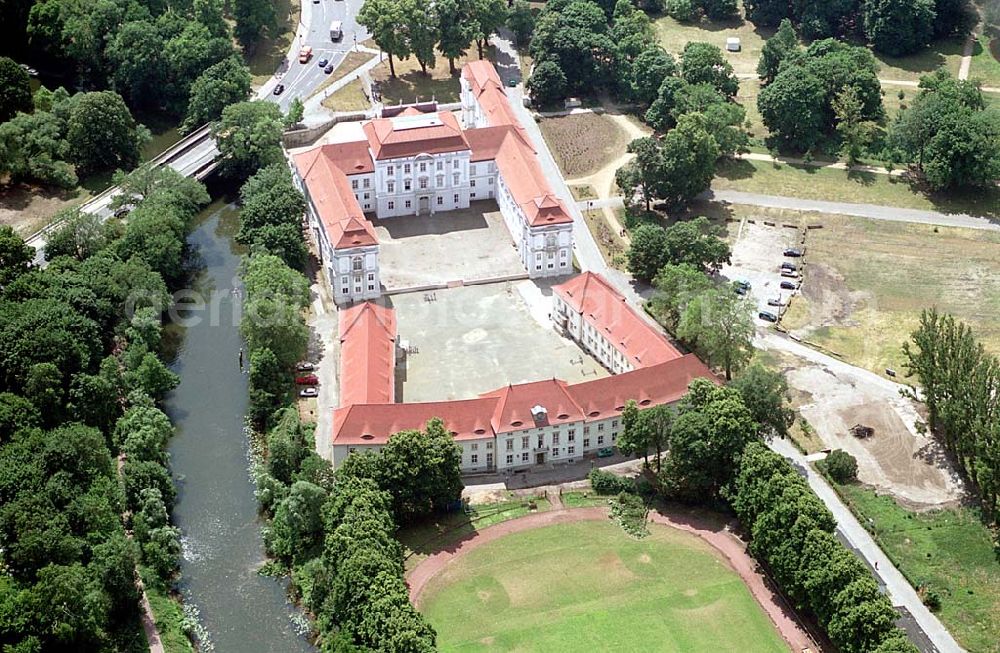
x=418, y=161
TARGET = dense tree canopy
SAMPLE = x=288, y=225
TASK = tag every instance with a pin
x=249, y=137
x=898, y=27
x=220, y=85
x=15, y=89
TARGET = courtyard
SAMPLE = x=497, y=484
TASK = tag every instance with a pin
x=467, y=245
x=464, y=341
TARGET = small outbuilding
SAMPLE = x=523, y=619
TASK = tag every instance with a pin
x=733, y=44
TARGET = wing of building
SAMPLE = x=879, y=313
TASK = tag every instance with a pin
x=419, y=161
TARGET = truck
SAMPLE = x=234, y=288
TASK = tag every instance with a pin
x=336, y=30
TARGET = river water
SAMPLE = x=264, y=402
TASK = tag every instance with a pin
x=242, y=611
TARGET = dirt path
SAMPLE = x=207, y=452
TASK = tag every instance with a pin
x=721, y=539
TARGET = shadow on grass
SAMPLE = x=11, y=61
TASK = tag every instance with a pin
x=414, y=86
x=734, y=169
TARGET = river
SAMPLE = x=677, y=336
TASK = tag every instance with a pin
x=242, y=611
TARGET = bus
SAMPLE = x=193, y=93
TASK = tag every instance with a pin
x=336, y=30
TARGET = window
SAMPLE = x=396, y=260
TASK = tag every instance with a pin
x=586, y=443
x=600, y=439
x=472, y=169
x=538, y=256
x=439, y=182
x=356, y=263
x=489, y=444
x=491, y=181
x=555, y=452
x=371, y=286
x=524, y=442
x=345, y=290
x=570, y=451
x=475, y=446
x=456, y=179
x=391, y=170
x=371, y=276
x=366, y=183
x=423, y=183
x=392, y=205
x=475, y=458
x=407, y=204
x=406, y=168
x=440, y=201
x=456, y=164
x=423, y=166
x=614, y=423
x=510, y=459
x=571, y=433
x=541, y=440
x=555, y=438
x=391, y=187
x=354, y=184
x=456, y=198
x=600, y=427
x=440, y=165
x=344, y=280
x=510, y=444
x=524, y=457
x=489, y=460
x=406, y=184
x=473, y=183
x=368, y=196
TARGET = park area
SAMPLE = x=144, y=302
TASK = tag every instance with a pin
x=584, y=143
x=587, y=586
x=412, y=85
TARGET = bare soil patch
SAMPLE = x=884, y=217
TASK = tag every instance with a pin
x=28, y=208
x=583, y=143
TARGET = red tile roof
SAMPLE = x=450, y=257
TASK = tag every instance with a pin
x=367, y=354
x=330, y=191
x=410, y=135
x=488, y=90
x=663, y=383
x=608, y=312
x=466, y=419
x=514, y=410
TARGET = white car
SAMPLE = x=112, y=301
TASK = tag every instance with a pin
x=309, y=392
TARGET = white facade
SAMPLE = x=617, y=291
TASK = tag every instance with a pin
x=423, y=184
x=353, y=274
x=591, y=339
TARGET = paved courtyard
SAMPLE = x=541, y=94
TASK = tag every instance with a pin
x=473, y=339
x=465, y=245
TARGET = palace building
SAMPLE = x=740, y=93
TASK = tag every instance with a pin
x=416, y=160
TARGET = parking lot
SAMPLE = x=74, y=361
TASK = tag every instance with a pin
x=466, y=245
x=757, y=254
x=469, y=340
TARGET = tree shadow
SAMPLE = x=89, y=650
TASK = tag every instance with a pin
x=734, y=169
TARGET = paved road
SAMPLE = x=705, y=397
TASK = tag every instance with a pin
x=896, y=585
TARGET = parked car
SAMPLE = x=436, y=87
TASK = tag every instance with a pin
x=741, y=286
x=305, y=366
x=279, y=89
x=789, y=285
x=793, y=251
x=307, y=379
x=308, y=392
x=328, y=69
x=605, y=452
x=512, y=82
x=323, y=62
x=775, y=302
x=791, y=274
x=767, y=315
x=788, y=266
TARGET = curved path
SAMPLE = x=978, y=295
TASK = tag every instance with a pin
x=721, y=539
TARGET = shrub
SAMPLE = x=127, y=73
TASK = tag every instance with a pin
x=607, y=483
x=681, y=10
x=841, y=466
x=630, y=511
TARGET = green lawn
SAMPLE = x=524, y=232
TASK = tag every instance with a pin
x=814, y=183
x=951, y=551
x=422, y=539
x=583, y=499
x=984, y=65
x=674, y=35
x=586, y=586
x=168, y=616
x=945, y=54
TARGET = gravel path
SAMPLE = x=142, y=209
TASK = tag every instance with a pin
x=722, y=540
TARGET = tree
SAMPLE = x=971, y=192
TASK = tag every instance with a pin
x=421, y=470
x=682, y=10
x=576, y=37
x=676, y=285
x=855, y=132
x=791, y=107
x=80, y=235
x=136, y=56
x=647, y=252
x=634, y=438
x=898, y=27
x=720, y=9
x=269, y=198
x=102, y=134
x=547, y=83
x=386, y=21
x=33, y=147
x=295, y=112
x=841, y=466
x=689, y=153
x=248, y=137
x=138, y=475
x=253, y=17
x=221, y=84
x=16, y=413
x=521, y=21
x=487, y=17
x=456, y=28
x=268, y=383
x=775, y=50
x=650, y=68
x=704, y=63
x=15, y=255
x=765, y=393
x=422, y=31
x=697, y=243
x=154, y=377
x=719, y=324
x=297, y=527
x=15, y=89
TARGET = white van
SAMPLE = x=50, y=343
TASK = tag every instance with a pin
x=336, y=30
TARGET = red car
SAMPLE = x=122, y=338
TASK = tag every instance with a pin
x=307, y=379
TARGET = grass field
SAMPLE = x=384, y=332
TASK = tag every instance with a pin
x=888, y=272
x=984, y=65
x=422, y=539
x=814, y=183
x=583, y=143
x=350, y=97
x=352, y=61
x=609, y=242
x=946, y=54
x=583, y=499
x=951, y=551
x=674, y=35
x=168, y=616
x=270, y=52
x=411, y=85
x=588, y=587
